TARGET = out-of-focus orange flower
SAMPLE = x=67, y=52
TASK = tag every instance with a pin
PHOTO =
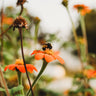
x=48, y=55
x=90, y=73
x=19, y=65
x=66, y=92
x=82, y=9
x=7, y=20
x=82, y=40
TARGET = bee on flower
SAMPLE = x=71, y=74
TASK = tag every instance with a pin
x=47, y=53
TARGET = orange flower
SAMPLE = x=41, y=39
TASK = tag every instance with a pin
x=49, y=55
x=90, y=73
x=19, y=65
x=7, y=20
x=82, y=9
x=82, y=40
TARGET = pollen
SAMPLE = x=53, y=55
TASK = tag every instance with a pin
x=48, y=51
x=19, y=62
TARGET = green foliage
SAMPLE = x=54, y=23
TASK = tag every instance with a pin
x=13, y=90
x=69, y=44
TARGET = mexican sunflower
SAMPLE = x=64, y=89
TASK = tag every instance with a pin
x=19, y=65
x=49, y=55
x=7, y=20
x=90, y=73
x=82, y=9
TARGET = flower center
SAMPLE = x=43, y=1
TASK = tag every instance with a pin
x=48, y=51
x=19, y=62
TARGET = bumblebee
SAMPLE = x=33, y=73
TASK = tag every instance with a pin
x=46, y=46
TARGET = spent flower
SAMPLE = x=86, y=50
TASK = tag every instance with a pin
x=20, y=2
x=65, y=3
x=19, y=22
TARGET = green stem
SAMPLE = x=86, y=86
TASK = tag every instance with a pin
x=20, y=81
x=38, y=76
x=84, y=35
x=75, y=37
x=4, y=82
x=36, y=32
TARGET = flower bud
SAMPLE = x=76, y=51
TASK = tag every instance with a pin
x=65, y=3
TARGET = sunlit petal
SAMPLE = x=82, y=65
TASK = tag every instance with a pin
x=39, y=56
x=49, y=58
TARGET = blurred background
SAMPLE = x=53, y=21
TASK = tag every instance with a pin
x=55, y=27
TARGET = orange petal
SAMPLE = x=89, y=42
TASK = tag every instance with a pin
x=49, y=58
x=6, y=68
x=56, y=52
x=39, y=56
x=12, y=67
x=59, y=59
x=36, y=51
x=30, y=68
x=21, y=68
x=83, y=12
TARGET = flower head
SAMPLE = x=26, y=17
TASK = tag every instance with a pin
x=48, y=54
x=82, y=9
x=90, y=73
x=7, y=20
x=21, y=2
x=65, y=3
x=19, y=65
x=19, y=22
x=36, y=20
x=81, y=40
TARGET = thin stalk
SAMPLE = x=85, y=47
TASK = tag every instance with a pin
x=38, y=76
x=20, y=31
x=36, y=32
x=20, y=81
x=1, y=51
x=4, y=82
x=6, y=30
x=21, y=10
x=76, y=38
x=84, y=35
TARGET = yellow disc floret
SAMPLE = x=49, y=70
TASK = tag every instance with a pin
x=19, y=61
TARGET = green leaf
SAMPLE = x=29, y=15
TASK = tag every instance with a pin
x=89, y=67
x=69, y=44
x=16, y=89
x=90, y=90
x=2, y=89
x=19, y=95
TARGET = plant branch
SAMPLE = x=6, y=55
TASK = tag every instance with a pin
x=21, y=10
x=20, y=31
x=84, y=34
x=1, y=51
x=6, y=30
x=4, y=82
x=76, y=38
